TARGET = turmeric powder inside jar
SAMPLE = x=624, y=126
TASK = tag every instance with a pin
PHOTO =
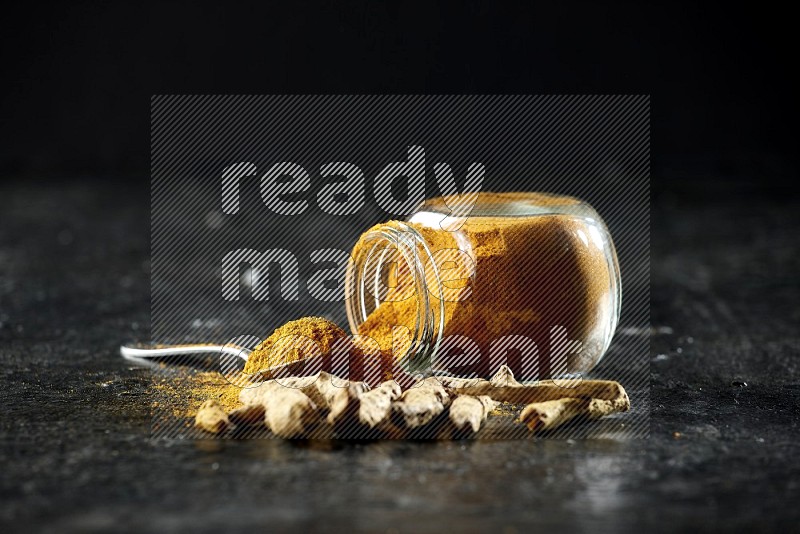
x=521, y=269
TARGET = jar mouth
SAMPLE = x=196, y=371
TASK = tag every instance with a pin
x=400, y=243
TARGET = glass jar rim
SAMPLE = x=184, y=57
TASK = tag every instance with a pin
x=363, y=272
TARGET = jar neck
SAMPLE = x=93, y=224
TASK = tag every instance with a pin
x=400, y=246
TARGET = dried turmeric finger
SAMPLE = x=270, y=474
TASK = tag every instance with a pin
x=339, y=395
x=211, y=417
x=288, y=412
x=420, y=404
x=251, y=414
x=551, y=414
x=546, y=391
x=504, y=377
x=375, y=405
x=467, y=413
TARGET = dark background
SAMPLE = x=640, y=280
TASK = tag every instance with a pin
x=79, y=75
x=74, y=269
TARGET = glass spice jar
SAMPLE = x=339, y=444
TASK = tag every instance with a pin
x=525, y=279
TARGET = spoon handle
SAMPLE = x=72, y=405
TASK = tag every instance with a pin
x=144, y=355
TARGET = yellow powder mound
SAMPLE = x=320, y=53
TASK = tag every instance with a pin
x=294, y=341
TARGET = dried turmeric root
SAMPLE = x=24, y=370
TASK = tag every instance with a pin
x=468, y=413
x=541, y=392
x=376, y=404
x=211, y=417
x=288, y=412
x=554, y=413
x=252, y=414
x=296, y=406
x=551, y=414
x=420, y=404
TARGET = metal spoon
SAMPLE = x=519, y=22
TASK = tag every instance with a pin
x=232, y=358
x=150, y=356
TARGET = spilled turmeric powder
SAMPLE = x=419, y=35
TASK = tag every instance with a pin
x=182, y=397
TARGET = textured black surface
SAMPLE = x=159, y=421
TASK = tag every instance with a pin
x=75, y=454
